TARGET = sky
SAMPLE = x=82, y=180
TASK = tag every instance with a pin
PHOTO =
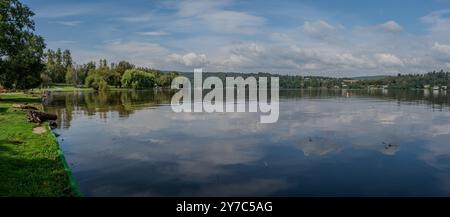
x=309, y=37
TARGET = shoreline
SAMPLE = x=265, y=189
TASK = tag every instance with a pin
x=87, y=89
x=72, y=181
x=32, y=164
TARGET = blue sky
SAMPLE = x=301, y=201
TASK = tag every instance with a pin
x=309, y=37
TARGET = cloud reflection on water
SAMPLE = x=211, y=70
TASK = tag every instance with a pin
x=158, y=152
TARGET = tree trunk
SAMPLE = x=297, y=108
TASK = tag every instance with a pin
x=39, y=117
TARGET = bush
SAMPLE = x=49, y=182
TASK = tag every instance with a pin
x=165, y=80
x=97, y=79
x=96, y=82
x=103, y=86
x=70, y=76
x=137, y=79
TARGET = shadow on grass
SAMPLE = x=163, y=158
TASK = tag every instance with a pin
x=3, y=109
x=22, y=176
x=19, y=100
x=4, y=148
x=8, y=142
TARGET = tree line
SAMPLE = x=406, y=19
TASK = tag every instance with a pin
x=59, y=68
x=400, y=81
x=286, y=81
x=418, y=81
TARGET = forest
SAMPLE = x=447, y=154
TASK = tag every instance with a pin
x=101, y=75
x=433, y=79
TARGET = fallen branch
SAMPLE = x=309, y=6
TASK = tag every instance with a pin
x=39, y=117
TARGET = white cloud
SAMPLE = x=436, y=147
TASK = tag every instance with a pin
x=391, y=26
x=66, y=10
x=62, y=42
x=216, y=34
x=211, y=14
x=154, y=33
x=192, y=60
x=195, y=8
x=318, y=28
x=442, y=49
x=438, y=25
x=438, y=18
x=387, y=59
x=275, y=58
x=387, y=27
x=140, y=53
x=68, y=23
x=138, y=18
x=233, y=22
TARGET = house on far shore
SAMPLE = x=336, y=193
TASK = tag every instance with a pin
x=426, y=86
x=346, y=83
x=350, y=81
x=444, y=87
x=436, y=88
x=385, y=86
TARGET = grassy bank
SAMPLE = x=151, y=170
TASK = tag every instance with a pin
x=63, y=88
x=71, y=88
x=30, y=164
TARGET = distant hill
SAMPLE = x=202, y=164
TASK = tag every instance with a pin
x=370, y=78
x=206, y=74
x=401, y=81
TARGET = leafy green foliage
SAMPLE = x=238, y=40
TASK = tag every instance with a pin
x=71, y=77
x=102, y=86
x=96, y=78
x=286, y=81
x=21, y=51
x=138, y=79
x=413, y=81
x=117, y=72
x=61, y=69
x=165, y=80
x=82, y=71
x=58, y=65
x=407, y=81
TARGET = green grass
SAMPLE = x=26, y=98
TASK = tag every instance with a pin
x=60, y=87
x=30, y=164
x=64, y=88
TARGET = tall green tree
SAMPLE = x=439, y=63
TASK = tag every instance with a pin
x=21, y=51
x=67, y=59
x=58, y=64
x=59, y=70
x=118, y=71
x=138, y=79
x=97, y=78
x=47, y=74
x=71, y=76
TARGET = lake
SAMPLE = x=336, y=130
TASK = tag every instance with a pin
x=326, y=143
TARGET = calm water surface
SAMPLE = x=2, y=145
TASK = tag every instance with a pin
x=326, y=143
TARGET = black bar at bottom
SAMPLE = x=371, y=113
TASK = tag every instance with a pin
x=239, y=206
